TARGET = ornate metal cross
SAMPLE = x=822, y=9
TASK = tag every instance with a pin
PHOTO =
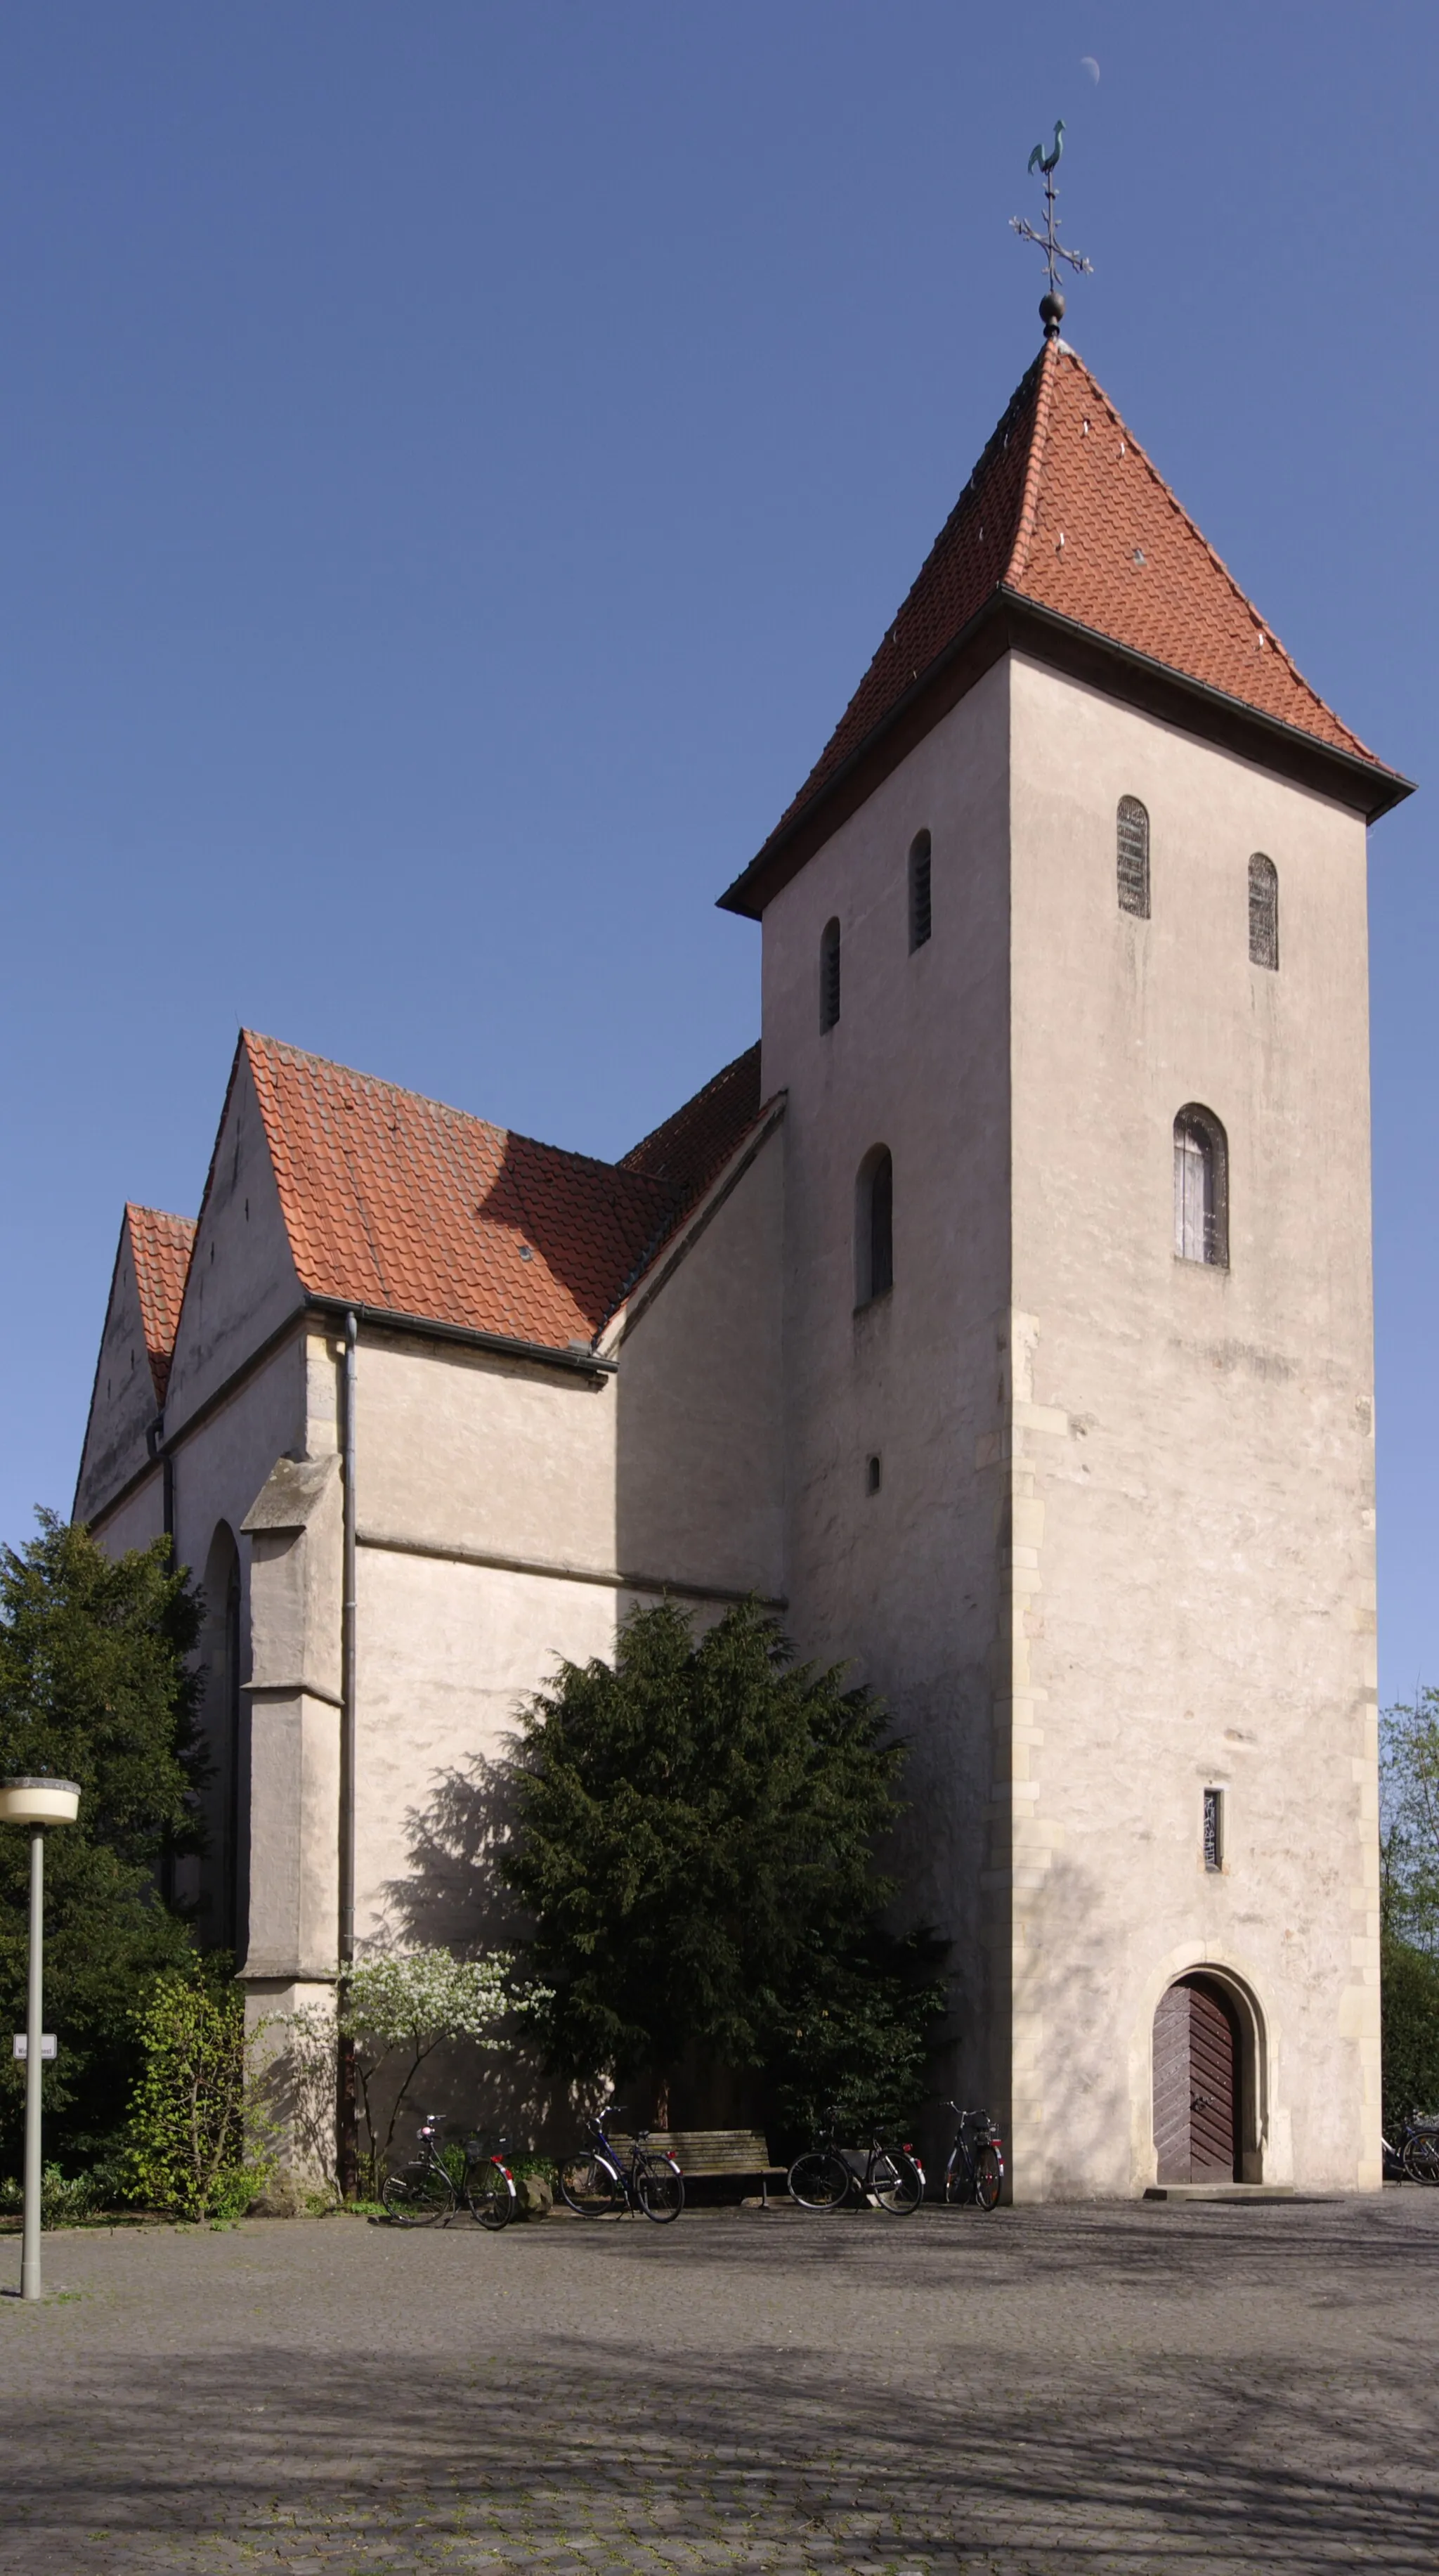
x=1051, y=308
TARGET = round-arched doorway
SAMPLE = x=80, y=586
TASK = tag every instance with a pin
x=1198, y=2084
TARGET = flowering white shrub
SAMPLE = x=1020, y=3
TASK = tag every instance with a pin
x=405, y=2002
x=411, y=2001
x=414, y=1999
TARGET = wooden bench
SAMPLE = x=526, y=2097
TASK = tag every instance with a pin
x=716, y=2154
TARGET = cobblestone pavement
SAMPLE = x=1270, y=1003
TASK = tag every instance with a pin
x=1195, y=2387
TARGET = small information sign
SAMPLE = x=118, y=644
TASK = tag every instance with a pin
x=21, y=2043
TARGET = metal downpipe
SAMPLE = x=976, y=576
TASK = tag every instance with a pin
x=347, y=2144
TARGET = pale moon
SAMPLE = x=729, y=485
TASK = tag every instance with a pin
x=1088, y=64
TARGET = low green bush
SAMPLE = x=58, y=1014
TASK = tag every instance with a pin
x=196, y=2145
x=65, y=2199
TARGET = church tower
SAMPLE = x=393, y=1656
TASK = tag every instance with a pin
x=1065, y=980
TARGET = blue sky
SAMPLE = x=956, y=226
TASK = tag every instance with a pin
x=457, y=460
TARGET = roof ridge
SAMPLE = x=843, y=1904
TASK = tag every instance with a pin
x=994, y=446
x=162, y=1248
x=165, y=1216
x=284, y=1049
x=626, y=1162
x=1038, y=448
x=1192, y=529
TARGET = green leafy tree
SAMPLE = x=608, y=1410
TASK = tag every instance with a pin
x=1409, y=1820
x=695, y=1842
x=96, y=1686
x=1409, y=1904
x=197, y=2144
x=1411, y=2030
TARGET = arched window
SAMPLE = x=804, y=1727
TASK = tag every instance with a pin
x=919, y=912
x=1263, y=912
x=1131, y=832
x=828, y=976
x=1201, y=1188
x=874, y=1226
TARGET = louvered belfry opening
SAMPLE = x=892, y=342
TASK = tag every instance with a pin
x=1131, y=832
x=1263, y=912
x=1198, y=2132
x=828, y=977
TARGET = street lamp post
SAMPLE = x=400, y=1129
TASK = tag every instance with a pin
x=36, y=1803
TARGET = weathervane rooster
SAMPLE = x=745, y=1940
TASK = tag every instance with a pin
x=1051, y=305
x=1037, y=160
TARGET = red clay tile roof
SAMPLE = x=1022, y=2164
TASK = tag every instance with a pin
x=693, y=1145
x=160, y=1248
x=1065, y=510
x=394, y=1201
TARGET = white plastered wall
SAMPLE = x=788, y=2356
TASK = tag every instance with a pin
x=1198, y=1574
x=241, y=1285
x=904, y=1583
x=1123, y=1547
x=122, y=1403
x=509, y=1514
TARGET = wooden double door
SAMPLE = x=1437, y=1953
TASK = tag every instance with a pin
x=1197, y=2079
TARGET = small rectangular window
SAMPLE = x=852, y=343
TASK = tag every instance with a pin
x=1214, y=1829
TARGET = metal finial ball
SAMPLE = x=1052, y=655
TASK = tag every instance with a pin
x=1051, y=313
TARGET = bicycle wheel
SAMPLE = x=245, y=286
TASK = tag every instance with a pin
x=591, y=2187
x=660, y=2190
x=419, y=2197
x=1421, y=2156
x=896, y=2182
x=819, y=2181
x=989, y=2177
x=958, y=2181
x=490, y=2195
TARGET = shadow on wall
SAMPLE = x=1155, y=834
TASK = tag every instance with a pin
x=1084, y=2136
x=451, y=1897
x=944, y=1725
x=219, y=1882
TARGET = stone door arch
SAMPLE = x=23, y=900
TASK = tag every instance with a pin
x=1198, y=2083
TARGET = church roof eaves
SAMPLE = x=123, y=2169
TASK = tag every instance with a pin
x=1066, y=531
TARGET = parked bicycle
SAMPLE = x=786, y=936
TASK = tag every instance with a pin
x=1415, y=2152
x=975, y=2171
x=827, y=2177
x=602, y=2180
x=428, y=2192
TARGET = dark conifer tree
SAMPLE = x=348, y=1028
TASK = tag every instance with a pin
x=696, y=1830
x=96, y=1685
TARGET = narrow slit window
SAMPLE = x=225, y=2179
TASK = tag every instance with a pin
x=1214, y=1829
x=920, y=916
x=872, y=1476
x=1201, y=1188
x=1132, y=844
x=828, y=976
x=1263, y=912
